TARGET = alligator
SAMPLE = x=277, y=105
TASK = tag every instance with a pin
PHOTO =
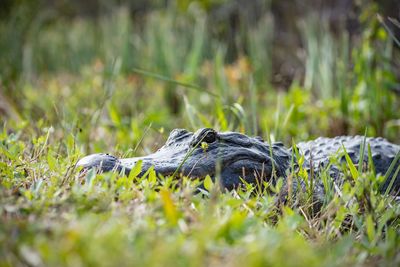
x=237, y=158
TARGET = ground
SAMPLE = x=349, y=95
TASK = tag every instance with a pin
x=83, y=86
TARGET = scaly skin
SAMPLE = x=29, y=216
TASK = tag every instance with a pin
x=236, y=156
x=318, y=151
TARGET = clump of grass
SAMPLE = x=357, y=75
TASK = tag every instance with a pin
x=60, y=217
x=95, y=97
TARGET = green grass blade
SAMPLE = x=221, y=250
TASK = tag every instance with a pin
x=362, y=151
x=169, y=80
x=389, y=171
x=389, y=31
x=135, y=170
x=370, y=160
x=389, y=188
x=353, y=170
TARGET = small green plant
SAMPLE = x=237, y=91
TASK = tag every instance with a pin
x=111, y=84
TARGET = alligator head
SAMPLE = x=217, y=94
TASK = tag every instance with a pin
x=232, y=155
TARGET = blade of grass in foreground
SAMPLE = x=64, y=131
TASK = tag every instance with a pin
x=370, y=160
x=389, y=171
x=353, y=170
x=388, y=30
x=362, y=151
x=167, y=79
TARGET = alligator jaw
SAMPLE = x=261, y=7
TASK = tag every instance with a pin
x=106, y=163
x=166, y=167
x=100, y=162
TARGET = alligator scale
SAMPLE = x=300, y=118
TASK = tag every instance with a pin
x=237, y=157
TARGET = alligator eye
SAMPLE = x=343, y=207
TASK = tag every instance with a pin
x=206, y=136
x=210, y=137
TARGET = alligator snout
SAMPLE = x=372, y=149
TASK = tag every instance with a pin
x=101, y=162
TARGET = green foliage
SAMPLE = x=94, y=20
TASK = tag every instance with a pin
x=65, y=218
x=113, y=85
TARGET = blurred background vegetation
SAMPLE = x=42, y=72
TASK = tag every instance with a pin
x=116, y=76
x=108, y=71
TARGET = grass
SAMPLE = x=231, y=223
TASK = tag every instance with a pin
x=125, y=95
x=52, y=215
